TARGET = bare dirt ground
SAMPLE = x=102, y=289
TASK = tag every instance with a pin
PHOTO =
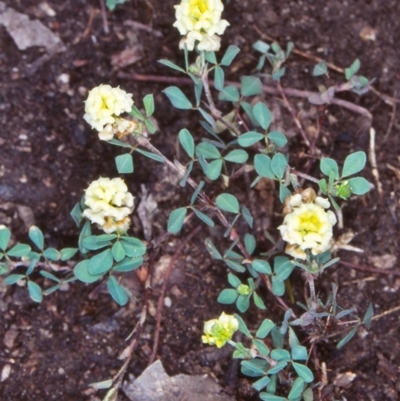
x=48, y=155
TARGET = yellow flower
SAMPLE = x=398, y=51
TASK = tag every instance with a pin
x=307, y=225
x=200, y=20
x=109, y=204
x=102, y=108
x=219, y=331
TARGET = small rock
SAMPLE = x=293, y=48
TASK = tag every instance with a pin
x=155, y=385
x=384, y=262
x=10, y=337
x=5, y=373
x=27, y=33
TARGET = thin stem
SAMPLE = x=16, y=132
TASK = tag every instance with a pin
x=289, y=107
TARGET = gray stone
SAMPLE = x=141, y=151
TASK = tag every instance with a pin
x=155, y=385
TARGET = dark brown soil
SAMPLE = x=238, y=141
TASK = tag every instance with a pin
x=48, y=155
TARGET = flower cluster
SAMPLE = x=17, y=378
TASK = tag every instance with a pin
x=307, y=225
x=219, y=331
x=200, y=20
x=103, y=107
x=109, y=204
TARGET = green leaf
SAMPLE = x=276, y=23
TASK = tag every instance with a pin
x=284, y=270
x=283, y=192
x=170, y=64
x=76, y=214
x=188, y=171
x=254, y=367
x=124, y=163
x=278, y=74
x=278, y=287
x=5, y=235
x=177, y=98
x=150, y=155
x=133, y=246
x=128, y=264
x=243, y=303
x=242, y=326
x=266, y=326
x=308, y=394
x=280, y=355
x=260, y=384
x=85, y=232
x=50, y=276
x=277, y=368
x=249, y=138
x=250, y=243
x=229, y=93
x=52, y=254
x=203, y=217
x=271, y=397
x=148, y=102
x=36, y=237
x=354, y=163
x=214, y=169
x=227, y=296
x=235, y=266
x=359, y=185
x=35, y=292
x=353, y=69
x=329, y=166
x=13, y=278
x=101, y=263
x=348, y=337
x=230, y=54
x=258, y=301
x=277, y=138
x=297, y=389
x=299, y=353
x=3, y=269
x=320, y=69
x=233, y=280
x=261, y=266
x=237, y=156
x=323, y=185
x=175, y=220
x=150, y=125
x=196, y=192
x=213, y=251
x=121, y=144
x=187, y=142
x=210, y=57
x=208, y=117
x=278, y=165
x=303, y=371
x=262, y=165
x=95, y=242
x=261, y=346
x=118, y=251
x=81, y=271
x=247, y=216
x=251, y=86
x=208, y=150
x=117, y=291
x=262, y=115
x=219, y=78
x=67, y=253
x=19, y=250
x=248, y=108
x=228, y=203
x=198, y=90
x=368, y=316
x=261, y=46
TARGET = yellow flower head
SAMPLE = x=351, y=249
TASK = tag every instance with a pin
x=109, y=204
x=219, y=331
x=200, y=20
x=102, y=108
x=307, y=225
